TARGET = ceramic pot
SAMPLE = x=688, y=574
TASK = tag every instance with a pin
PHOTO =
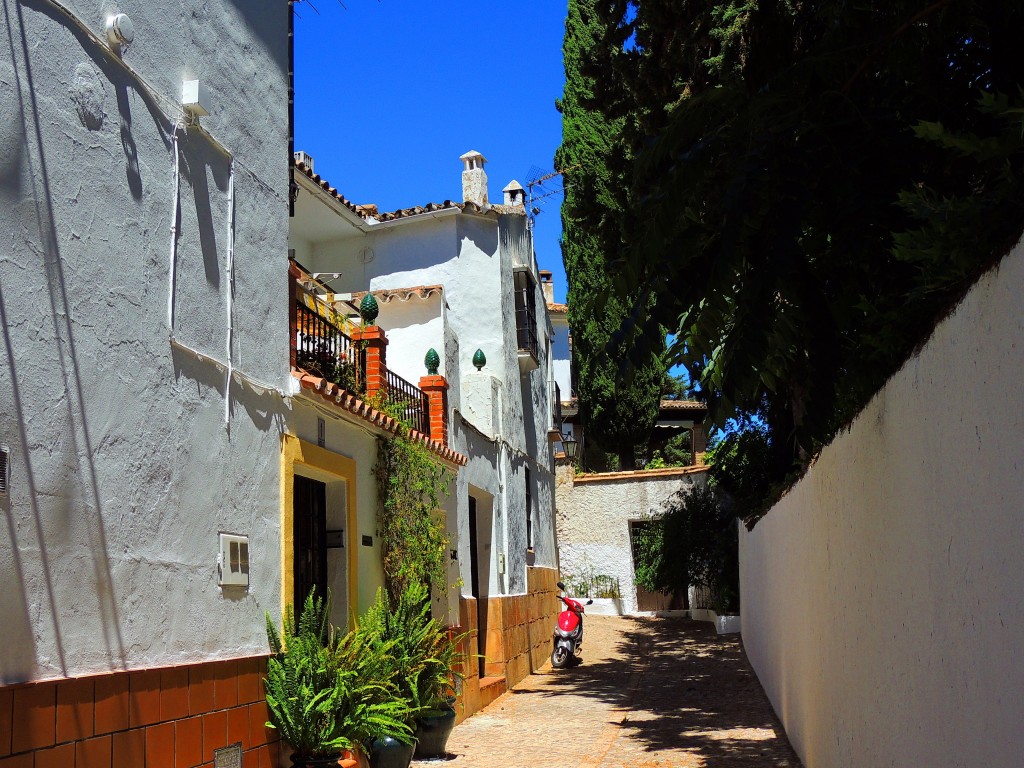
x=432, y=734
x=320, y=761
x=390, y=753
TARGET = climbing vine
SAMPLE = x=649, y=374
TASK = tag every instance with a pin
x=411, y=486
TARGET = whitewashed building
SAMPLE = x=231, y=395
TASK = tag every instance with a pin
x=144, y=378
x=460, y=278
x=598, y=513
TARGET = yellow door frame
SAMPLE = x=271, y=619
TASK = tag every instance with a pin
x=297, y=452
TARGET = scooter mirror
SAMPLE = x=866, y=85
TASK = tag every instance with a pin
x=590, y=602
x=560, y=585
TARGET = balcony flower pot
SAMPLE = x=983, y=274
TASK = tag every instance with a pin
x=432, y=732
x=389, y=753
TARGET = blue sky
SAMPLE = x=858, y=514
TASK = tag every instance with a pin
x=390, y=93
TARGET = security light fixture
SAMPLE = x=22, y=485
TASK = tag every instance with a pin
x=120, y=32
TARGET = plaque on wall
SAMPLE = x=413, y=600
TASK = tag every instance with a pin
x=228, y=757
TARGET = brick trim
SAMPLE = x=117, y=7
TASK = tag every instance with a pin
x=135, y=718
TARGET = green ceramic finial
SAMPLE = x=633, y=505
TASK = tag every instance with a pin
x=479, y=359
x=432, y=360
x=368, y=309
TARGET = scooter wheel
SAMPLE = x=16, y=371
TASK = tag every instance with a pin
x=560, y=657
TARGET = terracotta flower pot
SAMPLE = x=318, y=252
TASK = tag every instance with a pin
x=319, y=761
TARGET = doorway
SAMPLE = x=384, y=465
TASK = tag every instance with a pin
x=309, y=531
x=645, y=600
x=481, y=515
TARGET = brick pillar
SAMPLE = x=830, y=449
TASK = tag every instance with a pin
x=436, y=389
x=376, y=343
x=293, y=295
x=699, y=444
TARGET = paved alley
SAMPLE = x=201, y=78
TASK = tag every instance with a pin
x=651, y=692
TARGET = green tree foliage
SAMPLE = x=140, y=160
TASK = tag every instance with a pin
x=619, y=415
x=694, y=541
x=818, y=184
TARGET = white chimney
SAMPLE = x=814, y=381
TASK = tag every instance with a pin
x=514, y=193
x=547, y=286
x=474, y=180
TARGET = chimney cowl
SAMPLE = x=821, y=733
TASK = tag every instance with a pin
x=474, y=178
x=514, y=193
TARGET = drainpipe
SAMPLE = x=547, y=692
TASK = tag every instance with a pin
x=229, y=298
x=172, y=267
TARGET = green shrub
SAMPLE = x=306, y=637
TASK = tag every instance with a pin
x=327, y=693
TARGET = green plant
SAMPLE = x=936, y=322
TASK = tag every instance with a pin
x=410, y=487
x=327, y=693
x=340, y=368
x=692, y=543
x=423, y=651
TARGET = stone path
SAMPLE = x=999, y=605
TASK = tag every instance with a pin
x=651, y=692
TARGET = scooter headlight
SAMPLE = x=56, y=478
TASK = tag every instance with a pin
x=564, y=632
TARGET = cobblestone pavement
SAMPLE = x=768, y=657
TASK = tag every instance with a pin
x=650, y=692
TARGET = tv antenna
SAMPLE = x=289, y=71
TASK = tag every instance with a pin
x=542, y=184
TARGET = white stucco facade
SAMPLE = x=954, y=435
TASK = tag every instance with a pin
x=130, y=453
x=880, y=596
x=498, y=417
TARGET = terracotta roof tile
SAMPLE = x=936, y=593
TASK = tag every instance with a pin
x=370, y=212
x=401, y=294
x=346, y=401
x=358, y=210
x=558, y=309
x=683, y=405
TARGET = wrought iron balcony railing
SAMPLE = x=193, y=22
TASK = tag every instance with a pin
x=324, y=350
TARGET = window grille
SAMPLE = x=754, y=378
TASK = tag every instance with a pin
x=526, y=313
x=5, y=469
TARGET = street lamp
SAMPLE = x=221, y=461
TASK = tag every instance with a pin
x=569, y=446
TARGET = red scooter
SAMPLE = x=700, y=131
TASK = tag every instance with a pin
x=568, y=635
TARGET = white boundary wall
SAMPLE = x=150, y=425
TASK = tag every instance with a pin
x=881, y=598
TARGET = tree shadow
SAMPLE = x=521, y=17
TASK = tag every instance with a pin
x=683, y=687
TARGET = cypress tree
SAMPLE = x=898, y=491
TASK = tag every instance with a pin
x=618, y=414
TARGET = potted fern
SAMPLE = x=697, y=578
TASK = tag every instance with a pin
x=328, y=693
x=424, y=656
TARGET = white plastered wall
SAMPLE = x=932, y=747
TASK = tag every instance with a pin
x=593, y=523
x=881, y=600
x=123, y=470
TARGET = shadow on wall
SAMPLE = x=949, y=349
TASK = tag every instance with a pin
x=200, y=155
x=264, y=407
x=74, y=464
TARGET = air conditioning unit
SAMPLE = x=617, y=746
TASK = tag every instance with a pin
x=5, y=469
x=305, y=159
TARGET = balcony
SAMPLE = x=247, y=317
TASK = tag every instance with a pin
x=326, y=344
x=526, y=320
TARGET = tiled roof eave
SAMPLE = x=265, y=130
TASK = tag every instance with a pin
x=344, y=400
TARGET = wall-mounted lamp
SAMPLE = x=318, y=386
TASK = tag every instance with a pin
x=570, y=446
